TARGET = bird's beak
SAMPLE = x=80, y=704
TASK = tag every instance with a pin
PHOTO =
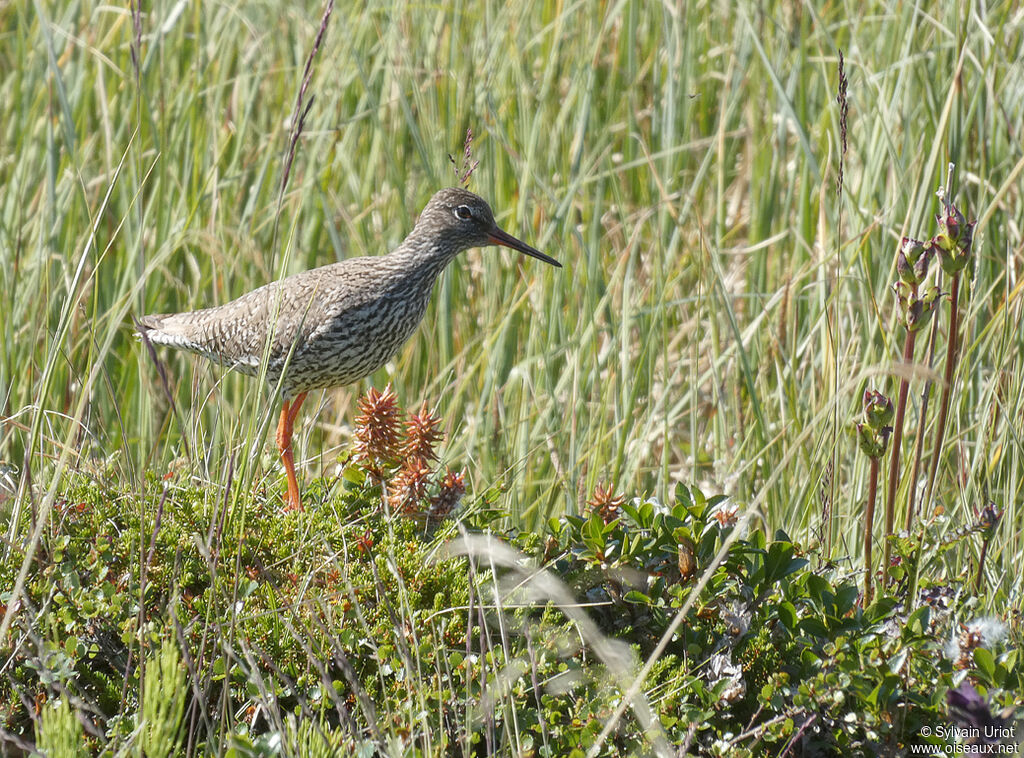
x=497, y=237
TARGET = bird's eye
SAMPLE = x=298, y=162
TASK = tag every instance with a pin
x=464, y=213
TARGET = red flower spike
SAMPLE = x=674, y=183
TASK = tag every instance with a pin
x=452, y=488
x=421, y=434
x=377, y=428
x=605, y=502
x=408, y=489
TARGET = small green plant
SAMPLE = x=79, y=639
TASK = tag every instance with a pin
x=58, y=731
x=164, y=692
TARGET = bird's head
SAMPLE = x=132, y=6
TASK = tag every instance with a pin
x=466, y=220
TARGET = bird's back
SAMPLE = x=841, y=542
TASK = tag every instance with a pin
x=330, y=325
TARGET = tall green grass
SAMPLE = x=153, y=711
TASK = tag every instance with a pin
x=679, y=159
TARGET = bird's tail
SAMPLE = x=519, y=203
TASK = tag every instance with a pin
x=162, y=329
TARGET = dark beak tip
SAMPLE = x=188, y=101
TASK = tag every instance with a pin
x=504, y=239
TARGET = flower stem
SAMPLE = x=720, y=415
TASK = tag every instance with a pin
x=951, y=357
x=919, y=439
x=894, y=461
x=981, y=561
x=869, y=522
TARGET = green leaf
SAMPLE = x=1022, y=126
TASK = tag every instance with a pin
x=786, y=612
x=986, y=663
x=682, y=495
x=814, y=625
x=819, y=589
x=917, y=622
x=636, y=596
x=880, y=609
x=354, y=475
x=897, y=662
x=846, y=598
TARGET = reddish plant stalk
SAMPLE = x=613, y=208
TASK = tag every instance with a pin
x=869, y=522
x=919, y=441
x=947, y=387
x=894, y=461
x=981, y=562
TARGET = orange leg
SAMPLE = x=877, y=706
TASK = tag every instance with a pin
x=284, y=443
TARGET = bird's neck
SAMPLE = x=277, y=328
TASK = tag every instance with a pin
x=425, y=255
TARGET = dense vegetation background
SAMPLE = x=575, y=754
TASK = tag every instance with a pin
x=722, y=307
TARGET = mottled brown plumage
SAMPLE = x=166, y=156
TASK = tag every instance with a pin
x=336, y=324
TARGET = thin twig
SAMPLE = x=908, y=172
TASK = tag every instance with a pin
x=799, y=733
